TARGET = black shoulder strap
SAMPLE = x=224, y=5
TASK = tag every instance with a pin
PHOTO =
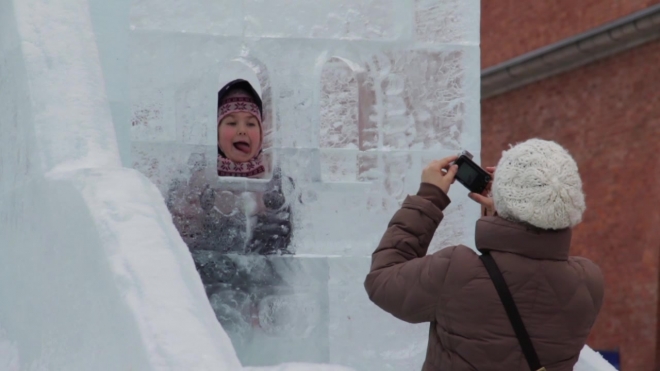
x=512, y=312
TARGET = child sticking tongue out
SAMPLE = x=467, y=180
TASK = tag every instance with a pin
x=239, y=136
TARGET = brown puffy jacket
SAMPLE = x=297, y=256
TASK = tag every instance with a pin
x=558, y=296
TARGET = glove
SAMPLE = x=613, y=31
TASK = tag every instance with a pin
x=272, y=234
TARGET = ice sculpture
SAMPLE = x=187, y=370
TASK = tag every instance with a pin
x=358, y=97
x=94, y=275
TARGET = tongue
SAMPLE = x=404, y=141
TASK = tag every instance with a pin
x=243, y=147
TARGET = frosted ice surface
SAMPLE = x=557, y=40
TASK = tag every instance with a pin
x=448, y=21
x=218, y=17
x=339, y=165
x=340, y=19
x=173, y=89
x=49, y=71
x=153, y=119
x=361, y=334
x=274, y=308
x=339, y=106
x=109, y=20
x=367, y=202
x=192, y=111
x=9, y=358
x=421, y=100
x=321, y=205
x=82, y=237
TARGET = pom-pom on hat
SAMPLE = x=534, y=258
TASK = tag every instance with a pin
x=537, y=182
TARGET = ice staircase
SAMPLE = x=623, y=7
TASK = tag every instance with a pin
x=95, y=116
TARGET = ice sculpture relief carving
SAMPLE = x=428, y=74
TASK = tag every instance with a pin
x=338, y=129
x=395, y=101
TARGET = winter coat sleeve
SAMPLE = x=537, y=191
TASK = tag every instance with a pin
x=404, y=281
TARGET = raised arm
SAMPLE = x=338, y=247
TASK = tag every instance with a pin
x=403, y=280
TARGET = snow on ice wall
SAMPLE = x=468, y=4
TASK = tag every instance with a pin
x=93, y=274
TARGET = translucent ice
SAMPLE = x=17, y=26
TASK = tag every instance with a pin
x=93, y=274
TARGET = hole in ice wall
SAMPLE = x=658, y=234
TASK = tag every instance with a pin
x=244, y=135
x=225, y=214
x=174, y=123
x=239, y=231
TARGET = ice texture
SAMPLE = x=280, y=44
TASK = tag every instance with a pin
x=109, y=20
x=165, y=266
x=93, y=275
x=358, y=97
x=357, y=335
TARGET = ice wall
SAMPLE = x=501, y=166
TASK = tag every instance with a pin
x=359, y=96
x=93, y=276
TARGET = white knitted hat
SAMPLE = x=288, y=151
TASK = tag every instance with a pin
x=537, y=182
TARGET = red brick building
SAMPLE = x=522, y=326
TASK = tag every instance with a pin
x=586, y=73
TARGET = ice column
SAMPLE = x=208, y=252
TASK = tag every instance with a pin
x=93, y=275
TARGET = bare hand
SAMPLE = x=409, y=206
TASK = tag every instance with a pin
x=440, y=173
x=485, y=199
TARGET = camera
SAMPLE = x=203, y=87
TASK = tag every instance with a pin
x=471, y=175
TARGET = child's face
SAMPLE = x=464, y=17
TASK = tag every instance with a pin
x=239, y=136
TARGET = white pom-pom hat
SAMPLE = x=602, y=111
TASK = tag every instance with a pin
x=537, y=182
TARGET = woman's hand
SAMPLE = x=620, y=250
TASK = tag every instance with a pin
x=440, y=173
x=485, y=199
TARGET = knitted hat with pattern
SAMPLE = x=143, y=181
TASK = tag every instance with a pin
x=537, y=182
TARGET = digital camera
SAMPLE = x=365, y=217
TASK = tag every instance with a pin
x=471, y=175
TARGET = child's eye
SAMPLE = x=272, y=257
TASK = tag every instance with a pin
x=252, y=124
x=231, y=123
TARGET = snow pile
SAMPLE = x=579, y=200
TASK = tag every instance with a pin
x=592, y=361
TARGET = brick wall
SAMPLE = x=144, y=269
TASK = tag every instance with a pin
x=514, y=27
x=608, y=116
